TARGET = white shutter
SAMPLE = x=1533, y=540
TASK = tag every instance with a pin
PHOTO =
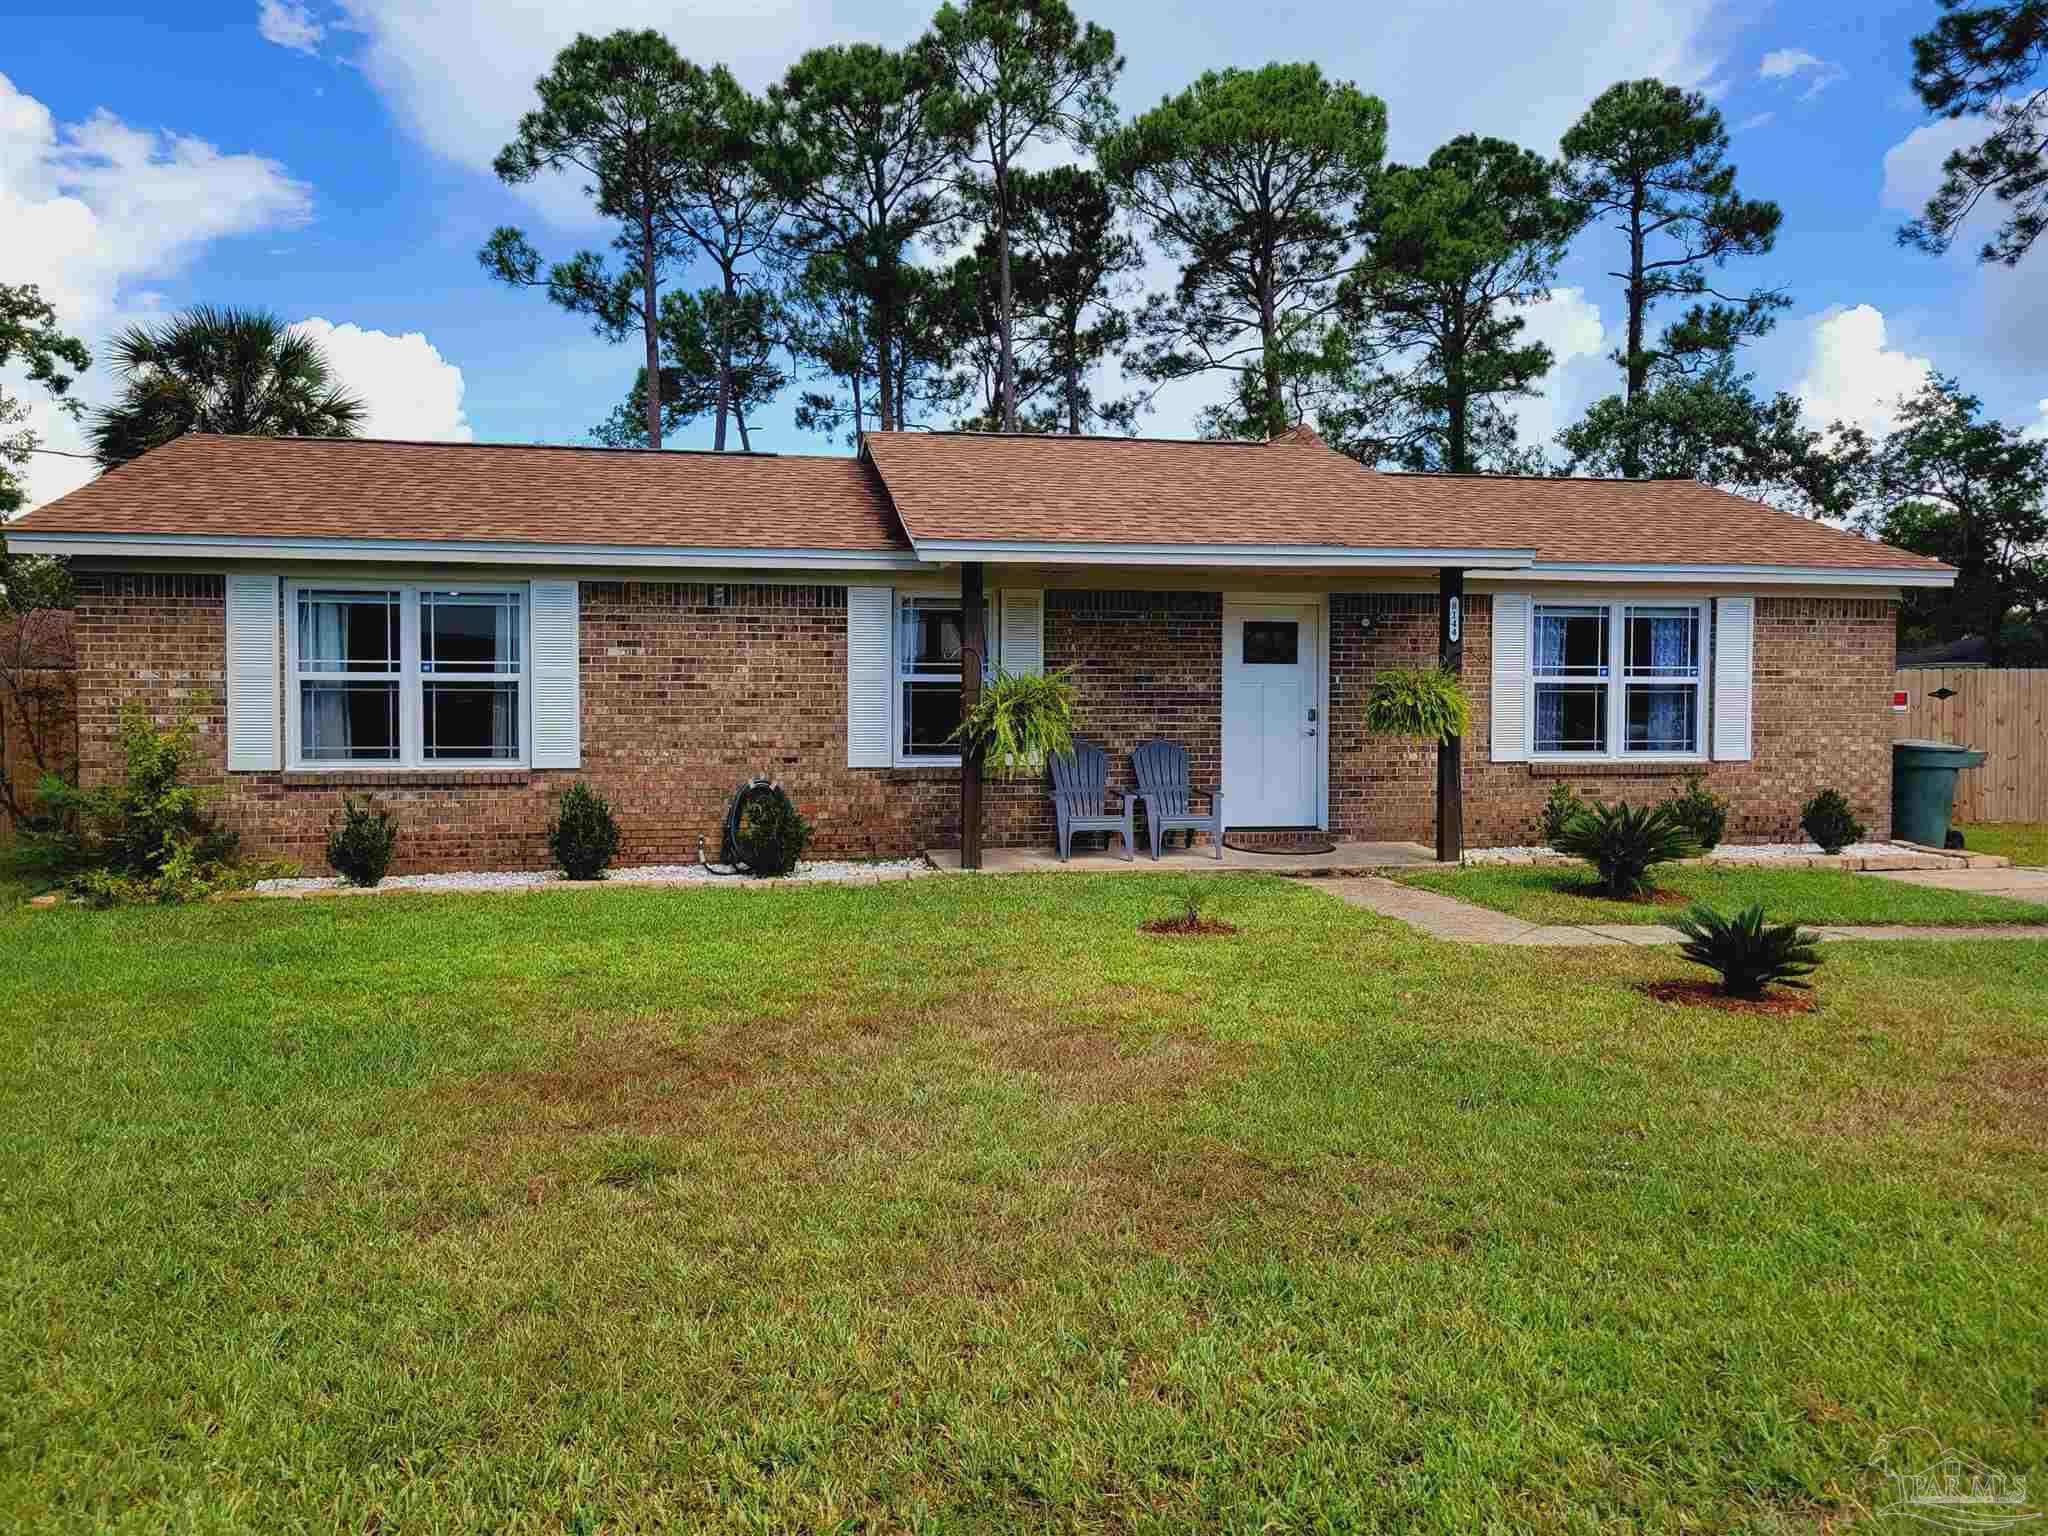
x=870, y=620
x=254, y=688
x=557, y=683
x=1023, y=630
x=1734, y=662
x=1509, y=728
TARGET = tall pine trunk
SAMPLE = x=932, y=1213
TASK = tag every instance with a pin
x=725, y=390
x=1006, y=366
x=1638, y=362
x=1269, y=334
x=650, y=326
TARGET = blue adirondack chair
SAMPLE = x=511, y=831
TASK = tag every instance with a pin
x=1081, y=797
x=1168, y=797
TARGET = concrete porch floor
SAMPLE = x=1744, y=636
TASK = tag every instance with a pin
x=1345, y=859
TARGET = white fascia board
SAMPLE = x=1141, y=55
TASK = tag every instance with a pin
x=1737, y=575
x=1293, y=556
x=452, y=552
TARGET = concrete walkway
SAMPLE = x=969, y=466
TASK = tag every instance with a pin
x=1445, y=917
x=1344, y=859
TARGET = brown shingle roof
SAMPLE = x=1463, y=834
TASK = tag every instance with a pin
x=315, y=488
x=1297, y=491
x=946, y=486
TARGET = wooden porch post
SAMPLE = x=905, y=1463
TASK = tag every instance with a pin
x=1450, y=752
x=973, y=645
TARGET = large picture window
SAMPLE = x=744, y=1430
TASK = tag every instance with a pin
x=930, y=637
x=407, y=676
x=1617, y=679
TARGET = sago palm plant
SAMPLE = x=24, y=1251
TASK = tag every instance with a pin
x=1624, y=843
x=1748, y=955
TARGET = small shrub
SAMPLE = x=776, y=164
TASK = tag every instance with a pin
x=1701, y=812
x=1749, y=956
x=360, y=844
x=773, y=834
x=1829, y=821
x=134, y=826
x=584, y=836
x=1564, y=803
x=1422, y=703
x=1624, y=843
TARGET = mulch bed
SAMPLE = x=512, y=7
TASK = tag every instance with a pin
x=1650, y=898
x=1708, y=994
x=1182, y=928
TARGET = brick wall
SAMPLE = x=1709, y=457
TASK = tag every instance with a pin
x=689, y=689
x=1823, y=679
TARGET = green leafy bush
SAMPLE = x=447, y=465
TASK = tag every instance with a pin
x=1701, y=812
x=1748, y=955
x=773, y=834
x=1829, y=821
x=360, y=843
x=1624, y=843
x=1422, y=703
x=584, y=836
x=1021, y=719
x=1558, y=810
x=145, y=837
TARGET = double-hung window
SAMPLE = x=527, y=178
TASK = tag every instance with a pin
x=930, y=637
x=1618, y=679
x=407, y=676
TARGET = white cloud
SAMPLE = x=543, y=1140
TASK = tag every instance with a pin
x=289, y=26
x=410, y=389
x=1569, y=324
x=1789, y=64
x=94, y=210
x=1852, y=374
x=2040, y=427
x=459, y=73
x=1912, y=167
x=1758, y=120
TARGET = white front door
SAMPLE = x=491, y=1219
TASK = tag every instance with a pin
x=1270, y=741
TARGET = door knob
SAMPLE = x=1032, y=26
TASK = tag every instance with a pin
x=1311, y=730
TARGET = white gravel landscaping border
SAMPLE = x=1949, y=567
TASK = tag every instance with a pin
x=640, y=874
x=1728, y=853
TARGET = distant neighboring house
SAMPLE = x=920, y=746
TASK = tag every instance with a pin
x=465, y=628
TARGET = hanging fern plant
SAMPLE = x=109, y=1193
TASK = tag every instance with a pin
x=1423, y=703
x=1022, y=718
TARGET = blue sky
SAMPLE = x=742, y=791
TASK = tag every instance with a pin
x=330, y=159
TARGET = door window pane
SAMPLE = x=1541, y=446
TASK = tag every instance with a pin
x=1274, y=643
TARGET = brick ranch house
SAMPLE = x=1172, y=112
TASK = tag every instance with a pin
x=463, y=629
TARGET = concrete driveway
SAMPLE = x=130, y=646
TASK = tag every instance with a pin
x=2018, y=884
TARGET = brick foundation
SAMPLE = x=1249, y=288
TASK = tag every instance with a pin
x=690, y=689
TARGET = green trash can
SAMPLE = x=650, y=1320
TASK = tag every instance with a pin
x=1924, y=788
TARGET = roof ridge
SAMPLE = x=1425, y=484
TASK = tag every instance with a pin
x=442, y=442
x=1075, y=437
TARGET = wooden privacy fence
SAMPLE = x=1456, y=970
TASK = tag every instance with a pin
x=1999, y=711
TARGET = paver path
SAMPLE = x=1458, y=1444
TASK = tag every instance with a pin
x=1445, y=917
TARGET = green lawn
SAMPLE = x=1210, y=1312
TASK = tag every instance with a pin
x=2024, y=842
x=1565, y=893
x=958, y=1205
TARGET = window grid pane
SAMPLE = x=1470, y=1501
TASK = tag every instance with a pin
x=930, y=639
x=469, y=721
x=476, y=633
x=1571, y=642
x=349, y=632
x=1663, y=642
x=1663, y=718
x=1571, y=717
x=349, y=722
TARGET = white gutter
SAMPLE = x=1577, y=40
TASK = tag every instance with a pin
x=1294, y=556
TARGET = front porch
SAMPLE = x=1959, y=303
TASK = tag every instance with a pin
x=1345, y=859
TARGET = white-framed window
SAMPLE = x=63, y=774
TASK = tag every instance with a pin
x=406, y=676
x=929, y=637
x=1618, y=679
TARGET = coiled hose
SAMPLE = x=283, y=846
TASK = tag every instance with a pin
x=738, y=855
